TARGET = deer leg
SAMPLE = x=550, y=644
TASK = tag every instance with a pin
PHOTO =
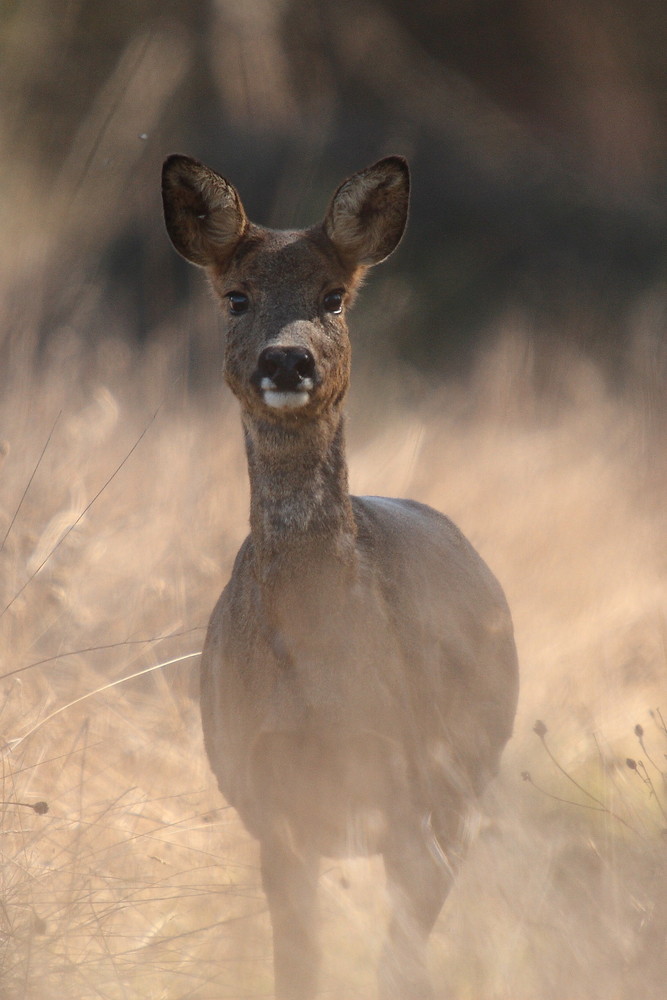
x=290, y=885
x=420, y=868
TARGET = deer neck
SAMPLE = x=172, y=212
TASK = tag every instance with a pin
x=300, y=509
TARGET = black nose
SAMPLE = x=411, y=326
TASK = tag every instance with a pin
x=286, y=367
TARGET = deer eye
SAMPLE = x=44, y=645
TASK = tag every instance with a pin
x=333, y=301
x=238, y=303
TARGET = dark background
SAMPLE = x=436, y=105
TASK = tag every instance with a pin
x=535, y=132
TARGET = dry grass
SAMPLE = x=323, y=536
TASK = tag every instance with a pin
x=123, y=502
x=138, y=882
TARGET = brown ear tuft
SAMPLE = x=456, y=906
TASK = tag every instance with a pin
x=367, y=214
x=203, y=213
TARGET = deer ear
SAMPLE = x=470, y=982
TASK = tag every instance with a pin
x=368, y=212
x=202, y=211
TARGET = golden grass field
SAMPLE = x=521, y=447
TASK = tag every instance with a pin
x=123, y=501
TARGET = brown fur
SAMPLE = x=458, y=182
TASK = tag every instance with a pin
x=359, y=678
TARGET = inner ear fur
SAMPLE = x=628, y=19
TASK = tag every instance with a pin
x=203, y=212
x=367, y=214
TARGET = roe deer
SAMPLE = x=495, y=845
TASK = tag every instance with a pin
x=359, y=677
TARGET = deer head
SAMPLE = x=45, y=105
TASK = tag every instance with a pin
x=285, y=293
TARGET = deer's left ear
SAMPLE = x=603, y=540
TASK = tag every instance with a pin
x=367, y=214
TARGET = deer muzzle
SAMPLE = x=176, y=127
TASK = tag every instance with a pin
x=285, y=376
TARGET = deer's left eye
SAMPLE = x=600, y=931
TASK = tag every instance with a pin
x=333, y=301
x=238, y=303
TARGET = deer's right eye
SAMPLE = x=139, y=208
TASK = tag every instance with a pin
x=238, y=303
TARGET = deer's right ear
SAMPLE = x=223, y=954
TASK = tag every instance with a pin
x=202, y=211
x=368, y=212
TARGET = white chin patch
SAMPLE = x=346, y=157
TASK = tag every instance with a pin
x=286, y=400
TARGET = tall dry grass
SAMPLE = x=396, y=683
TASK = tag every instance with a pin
x=123, y=499
x=123, y=502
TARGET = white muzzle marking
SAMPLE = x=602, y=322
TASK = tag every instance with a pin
x=290, y=399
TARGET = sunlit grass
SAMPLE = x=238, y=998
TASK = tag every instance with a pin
x=139, y=881
x=123, y=501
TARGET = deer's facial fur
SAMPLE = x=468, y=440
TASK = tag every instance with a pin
x=282, y=313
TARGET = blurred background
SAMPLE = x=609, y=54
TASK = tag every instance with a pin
x=536, y=135
x=510, y=367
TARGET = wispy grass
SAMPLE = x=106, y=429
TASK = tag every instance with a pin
x=138, y=881
x=119, y=525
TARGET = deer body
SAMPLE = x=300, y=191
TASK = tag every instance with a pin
x=359, y=677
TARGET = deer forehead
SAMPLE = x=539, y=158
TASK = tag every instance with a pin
x=283, y=266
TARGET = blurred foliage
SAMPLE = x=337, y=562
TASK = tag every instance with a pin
x=536, y=135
